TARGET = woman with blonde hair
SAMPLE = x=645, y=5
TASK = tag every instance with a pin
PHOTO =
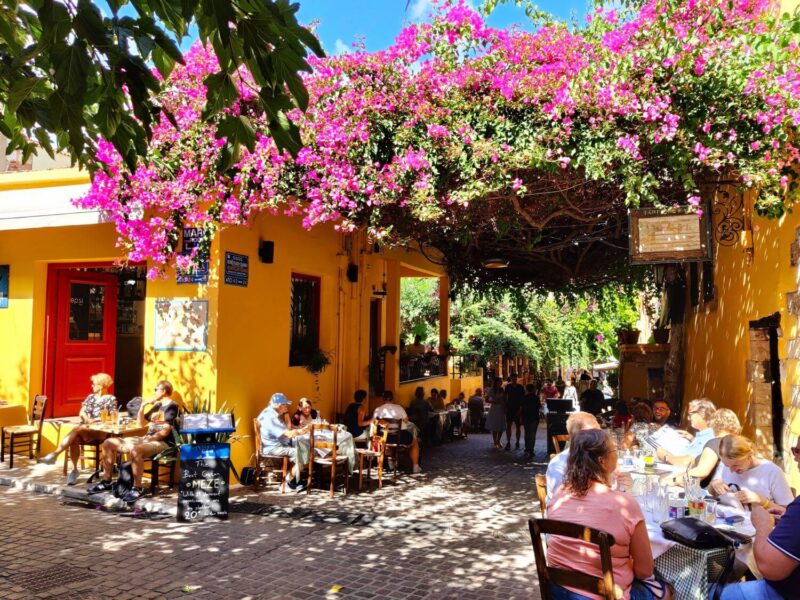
x=752, y=479
x=723, y=422
x=96, y=402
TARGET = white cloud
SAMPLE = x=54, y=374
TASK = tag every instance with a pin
x=341, y=48
x=420, y=9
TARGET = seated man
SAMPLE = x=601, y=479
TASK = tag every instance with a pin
x=276, y=436
x=577, y=421
x=403, y=435
x=776, y=549
x=661, y=412
x=161, y=412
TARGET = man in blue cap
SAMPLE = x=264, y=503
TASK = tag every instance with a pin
x=276, y=437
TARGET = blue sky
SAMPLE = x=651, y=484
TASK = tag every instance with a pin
x=342, y=22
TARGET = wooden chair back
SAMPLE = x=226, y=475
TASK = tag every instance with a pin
x=391, y=426
x=602, y=586
x=541, y=490
x=378, y=432
x=560, y=442
x=257, y=436
x=322, y=442
x=37, y=411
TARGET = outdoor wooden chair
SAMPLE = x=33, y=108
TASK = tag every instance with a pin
x=375, y=450
x=541, y=491
x=395, y=448
x=602, y=586
x=20, y=437
x=171, y=457
x=560, y=442
x=266, y=464
x=89, y=451
x=331, y=460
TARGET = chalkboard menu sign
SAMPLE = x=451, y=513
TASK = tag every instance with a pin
x=203, y=489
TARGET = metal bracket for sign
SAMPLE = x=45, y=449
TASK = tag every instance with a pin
x=702, y=254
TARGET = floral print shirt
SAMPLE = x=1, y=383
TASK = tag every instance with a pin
x=94, y=403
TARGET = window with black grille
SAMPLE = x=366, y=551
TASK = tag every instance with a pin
x=305, y=319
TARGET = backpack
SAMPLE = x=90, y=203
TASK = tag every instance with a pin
x=124, y=481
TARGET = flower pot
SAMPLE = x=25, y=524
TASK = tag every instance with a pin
x=629, y=336
x=661, y=336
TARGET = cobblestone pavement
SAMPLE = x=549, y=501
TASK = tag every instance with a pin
x=458, y=530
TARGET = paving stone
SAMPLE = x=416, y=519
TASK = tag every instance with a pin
x=458, y=530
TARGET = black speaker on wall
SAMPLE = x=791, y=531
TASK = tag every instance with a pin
x=352, y=273
x=266, y=251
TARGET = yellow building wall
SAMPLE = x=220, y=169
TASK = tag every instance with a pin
x=28, y=252
x=717, y=333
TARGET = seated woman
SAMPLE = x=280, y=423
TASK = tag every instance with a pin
x=724, y=422
x=355, y=417
x=304, y=414
x=586, y=498
x=91, y=408
x=622, y=415
x=753, y=479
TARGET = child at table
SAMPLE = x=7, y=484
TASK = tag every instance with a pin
x=91, y=409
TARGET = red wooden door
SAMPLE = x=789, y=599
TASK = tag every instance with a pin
x=86, y=331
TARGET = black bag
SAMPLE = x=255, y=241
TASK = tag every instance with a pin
x=124, y=480
x=248, y=476
x=694, y=533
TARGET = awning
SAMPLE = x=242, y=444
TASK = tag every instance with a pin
x=36, y=207
x=606, y=366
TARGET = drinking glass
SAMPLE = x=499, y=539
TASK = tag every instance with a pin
x=711, y=510
x=103, y=415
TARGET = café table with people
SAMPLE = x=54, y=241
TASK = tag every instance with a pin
x=746, y=498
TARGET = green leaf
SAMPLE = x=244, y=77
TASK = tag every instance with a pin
x=237, y=130
x=19, y=91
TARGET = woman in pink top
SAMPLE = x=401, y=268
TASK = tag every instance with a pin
x=586, y=498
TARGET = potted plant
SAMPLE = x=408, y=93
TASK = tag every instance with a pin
x=316, y=361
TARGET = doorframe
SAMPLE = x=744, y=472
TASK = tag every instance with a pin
x=50, y=317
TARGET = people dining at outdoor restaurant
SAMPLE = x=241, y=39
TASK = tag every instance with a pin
x=355, y=416
x=276, y=436
x=405, y=433
x=661, y=412
x=700, y=412
x=515, y=396
x=586, y=497
x=592, y=400
x=557, y=467
x=752, y=479
x=160, y=414
x=723, y=422
x=304, y=414
x=436, y=401
x=417, y=348
x=91, y=410
x=496, y=419
x=776, y=552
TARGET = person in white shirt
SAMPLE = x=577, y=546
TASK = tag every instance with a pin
x=570, y=393
x=577, y=421
x=754, y=480
x=403, y=431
